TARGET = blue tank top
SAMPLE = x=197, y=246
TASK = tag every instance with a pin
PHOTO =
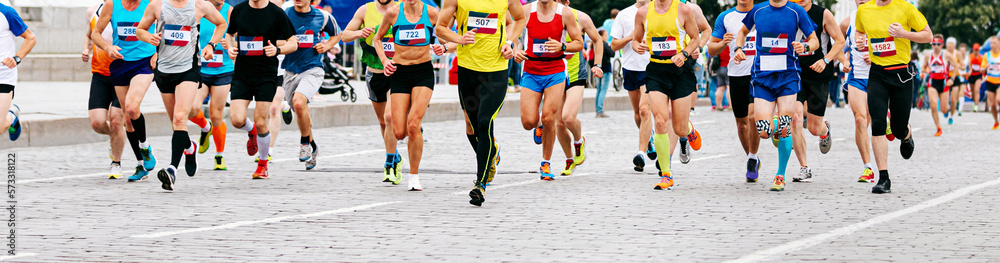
x=413, y=34
x=220, y=62
x=124, y=24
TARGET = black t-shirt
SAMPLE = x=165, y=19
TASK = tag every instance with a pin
x=253, y=29
x=606, y=60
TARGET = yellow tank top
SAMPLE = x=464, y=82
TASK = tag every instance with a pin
x=573, y=58
x=488, y=18
x=373, y=19
x=663, y=33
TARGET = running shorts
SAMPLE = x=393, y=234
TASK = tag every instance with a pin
x=538, y=83
x=306, y=83
x=776, y=85
x=217, y=80
x=102, y=93
x=408, y=77
x=739, y=95
x=123, y=71
x=676, y=82
x=939, y=85
x=992, y=87
x=378, y=86
x=814, y=95
x=256, y=89
x=722, y=77
x=633, y=80
x=167, y=82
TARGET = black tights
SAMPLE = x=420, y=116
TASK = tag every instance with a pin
x=482, y=94
x=891, y=88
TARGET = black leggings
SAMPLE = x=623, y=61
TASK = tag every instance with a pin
x=482, y=94
x=891, y=88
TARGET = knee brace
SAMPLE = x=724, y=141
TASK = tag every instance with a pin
x=764, y=126
x=784, y=125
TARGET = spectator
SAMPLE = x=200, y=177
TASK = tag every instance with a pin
x=607, y=26
x=605, y=82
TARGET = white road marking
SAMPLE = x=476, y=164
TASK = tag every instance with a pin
x=338, y=155
x=20, y=255
x=787, y=248
x=60, y=178
x=703, y=158
x=266, y=221
x=525, y=182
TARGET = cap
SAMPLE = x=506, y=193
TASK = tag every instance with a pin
x=975, y=46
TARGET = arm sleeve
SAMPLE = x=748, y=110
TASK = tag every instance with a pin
x=17, y=25
x=719, y=30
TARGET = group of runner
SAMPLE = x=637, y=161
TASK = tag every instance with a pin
x=782, y=59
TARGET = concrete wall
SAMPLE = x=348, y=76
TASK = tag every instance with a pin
x=61, y=35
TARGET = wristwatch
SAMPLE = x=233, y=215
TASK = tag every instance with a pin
x=563, y=47
x=17, y=60
x=825, y=60
x=806, y=46
x=737, y=49
x=686, y=54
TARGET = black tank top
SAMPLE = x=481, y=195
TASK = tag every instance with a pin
x=805, y=61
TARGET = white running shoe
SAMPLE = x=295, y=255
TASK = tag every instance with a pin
x=115, y=171
x=805, y=175
x=415, y=183
x=305, y=152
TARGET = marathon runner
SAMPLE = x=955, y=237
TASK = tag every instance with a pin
x=11, y=57
x=705, y=34
x=106, y=115
x=890, y=25
x=727, y=26
x=957, y=81
x=177, y=72
x=365, y=23
x=776, y=70
x=483, y=56
x=975, y=75
x=569, y=130
x=544, y=79
x=634, y=78
x=664, y=29
x=263, y=32
x=216, y=77
x=858, y=69
x=937, y=64
x=991, y=67
x=131, y=70
x=410, y=72
x=818, y=70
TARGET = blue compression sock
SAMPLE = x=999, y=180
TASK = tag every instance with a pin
x=784, y=153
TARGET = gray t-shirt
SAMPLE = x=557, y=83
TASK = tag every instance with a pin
x=179, y=41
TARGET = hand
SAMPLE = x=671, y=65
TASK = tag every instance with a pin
x=727, y=38
x=553, y=46
x=438, y=49
x=9, y=62
x=366, y=32
x=113, y=52
x=896, y=30
x=861, y=41
x=798, y=47
x=598, y=73
x=154, y=39
x=507, y=51
x=865, y=57
x=152, y=61
x=233, y=52
x=696, y=55
x=739, y=56
x=208, y=52
x=470, y=37
x=819, y=66
x=321, y=48
x=270, y=50
x=388, y=68
x=949, y=83
x=640, y=47
x=847, y=68
x=85, y=55
x=520, y=56
x=678, y=59
x=336, y=49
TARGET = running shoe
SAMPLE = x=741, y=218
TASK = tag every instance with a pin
x=257, y=159
x=546, y=171
x=882, y=187
x=951, y=120
x=666, y=182
x=651, y=149
x=685, y=154
x=220, y=163
x=996, y=125
x=888, y=134
x=774, y=131
x=569, y=167
x=204, y=141
x=805, y=175
x=537, y=135
x=166, y=176
x=581, y=154
x=311, y=163
x=938, y=133
x=286, y=116
x=867, y=176
x=477, y=195
x=392, y=173
x=305, y=152
x=140, y=174
x=15, y=125
x=414, y=184
x=694, y=138
x=906, y=148
x=753, y=168
x=261, y=172
x=640, y=162
x=191, y=160
x=115, y=171
x=779, y=183
x=826, y=143
x=945, y=113
x=252, y=142
x=148, y=161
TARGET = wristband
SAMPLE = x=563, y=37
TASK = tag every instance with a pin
x=563, y=47
x=738, y=49
x=686, y=54
x=806, y=46
x=445, y=48
x=279, y=51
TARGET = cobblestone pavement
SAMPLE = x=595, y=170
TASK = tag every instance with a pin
x=942, y=209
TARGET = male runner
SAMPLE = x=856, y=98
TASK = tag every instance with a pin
x=975, y=75
x=131, y=70
x=10, y=60
x=177, y=73
x=255, y=27
x=991, y=67
x=776, y=70
x=634, y=78
x=936, y=63
x=857, y=93
x=817, y=72
x=660, y=29
x=304, y=69
x=544, y=77
x=411, y=74
x=958, y=82
x=727, y=25
x=216, y=76
x=890, y=25
x=482, y=74
x=705, y=34
x=106, y=115
x=365, y=23
x=568, y=124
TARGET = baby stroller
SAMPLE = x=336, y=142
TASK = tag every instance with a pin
x=335, y=80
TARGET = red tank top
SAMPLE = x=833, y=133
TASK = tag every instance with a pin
x=541, y=62
x=975, y=61
x=939, y=69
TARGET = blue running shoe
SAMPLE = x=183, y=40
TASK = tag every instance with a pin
x=140, y=174
x=651, y=150
x=148, y=161
x=546, y=171
x=951, y=121
x=753, y=167
x=537, y=133
x=15, y=125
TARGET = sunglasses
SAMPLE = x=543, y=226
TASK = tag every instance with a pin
x=936, y=44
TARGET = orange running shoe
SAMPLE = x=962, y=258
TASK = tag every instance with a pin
x=666, y=182
x=938, y=133
x=694, y=138
x=261, y=172
x=252, y=142
x=996, y=125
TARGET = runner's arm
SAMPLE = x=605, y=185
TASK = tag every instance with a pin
x=142, y=30
x=445, y=18
x=588, y=27
x=208, y=12
x=102, y=24
x=387, y=21
x=921, y=37
x=639, y=31
x=717, y=42
x=352, y=32
x=87, y=44
x=704, y=28
x=27, y=45
x=516, y=12
x=837, y=35
x=576, y=43
x=694, y=22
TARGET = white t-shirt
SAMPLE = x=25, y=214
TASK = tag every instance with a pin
x=860, y=68
x=623, y=26
x=731, y=21
x=11, y=26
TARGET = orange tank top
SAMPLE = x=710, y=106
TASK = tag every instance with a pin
x=100, y=60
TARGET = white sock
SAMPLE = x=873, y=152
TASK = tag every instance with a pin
x=219, y=154
x=11, y=114
x=580, y=141
x=752, y=156
x=248, y=126
x=190, y=149
x=547, y=161
x=868, y=165
x=143, y=145
x=206, y=128
x=285, y=106
x=642, y=153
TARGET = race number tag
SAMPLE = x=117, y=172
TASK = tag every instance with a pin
x=126, y=31
x=883, y=47
x=389, y=47
x=216, y=60
x=750, y=46
x=773, y=63
x=306, y=39
x=993, y=69
x=251, y=46
x=937, y=68
x=538, y=48
x=976, y=67
x=663, y=46
x=774, y=43
x=411, y=35
x=484, y=23
x=176, y=35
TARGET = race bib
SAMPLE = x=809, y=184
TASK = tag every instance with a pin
x=176, y=35
x=126, y=31
x=976, y=67
x=251, y=46
x=484, y=23
x=937, y=68
x=306, y=39
x=883, y=47
x=216, y=60
x=389, y=47
x=663, y=46
x=993, y=69
x=773, y=63
x=774, y=43
x=538, y=48
x=411, y=34
x=750, y=46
